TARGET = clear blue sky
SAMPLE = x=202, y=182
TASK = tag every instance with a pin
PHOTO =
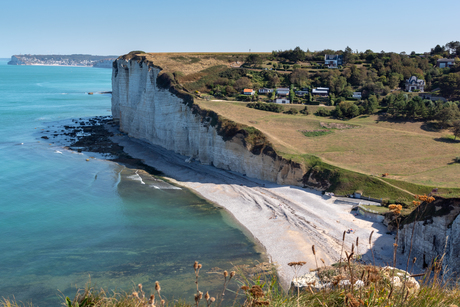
x=116, y=27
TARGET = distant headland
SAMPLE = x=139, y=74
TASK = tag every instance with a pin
x=64, y=60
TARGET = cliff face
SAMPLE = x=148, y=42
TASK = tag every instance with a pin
x=436, y=230
x=15, y=61
x=149, y=108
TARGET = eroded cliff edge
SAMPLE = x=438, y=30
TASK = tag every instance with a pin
x=151, y=106
x=432, y=232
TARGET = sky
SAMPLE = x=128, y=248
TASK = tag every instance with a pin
x=102, y=27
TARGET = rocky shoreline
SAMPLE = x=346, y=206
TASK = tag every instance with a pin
x=92, y=135
x=285, y=221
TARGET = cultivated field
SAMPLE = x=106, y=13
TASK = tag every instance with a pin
x=407, y=151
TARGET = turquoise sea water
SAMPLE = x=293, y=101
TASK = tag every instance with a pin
x=64, y=221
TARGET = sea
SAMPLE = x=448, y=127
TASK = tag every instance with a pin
x=67, y=223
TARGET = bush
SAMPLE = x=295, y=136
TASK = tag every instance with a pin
x=292, y=111
x=305, y=111
x=323, y=112
x=270, y=107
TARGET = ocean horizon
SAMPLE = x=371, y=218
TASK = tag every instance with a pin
x=65, y=221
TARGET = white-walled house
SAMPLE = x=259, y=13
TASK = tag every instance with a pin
x=357, y=95
x=321, y=91
x=333, y=60
x=248, y=91
x=301, y=93
x=282, y=91
x=265, y=91
x=413, y=83
x=282, y=100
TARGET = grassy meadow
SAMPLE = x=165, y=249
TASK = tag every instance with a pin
x=407, y=151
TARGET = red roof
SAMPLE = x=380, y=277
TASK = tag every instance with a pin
x=247, y=90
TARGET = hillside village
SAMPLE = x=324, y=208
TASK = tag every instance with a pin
x=403, y=85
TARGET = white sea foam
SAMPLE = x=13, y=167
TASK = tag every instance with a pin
x=136, y=177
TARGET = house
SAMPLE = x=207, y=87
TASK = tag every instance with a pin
x=357, y=95
x=248, y=91
x=301, y=93
x=415, y=84
x=432, y=97
x=265, y=91
x=282, y=100
x=443, y=63
x=333, y=60
x=320, y=91
x=282, y=91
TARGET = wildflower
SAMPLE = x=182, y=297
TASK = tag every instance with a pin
x=256, y=291
x=157, y=286
x=352, y=300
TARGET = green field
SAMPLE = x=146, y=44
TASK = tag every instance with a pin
x=415, y=158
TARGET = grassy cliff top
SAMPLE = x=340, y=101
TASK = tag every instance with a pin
x=189, y=63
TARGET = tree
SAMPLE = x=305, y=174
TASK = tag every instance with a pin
x=456, y=128
x=254, y=59
x=299, y=77
x=347, y=55
x=243, y=83
x=448, y=114
x=298, y=54
x=437, y=50
x=450, y=85
x=454, y=48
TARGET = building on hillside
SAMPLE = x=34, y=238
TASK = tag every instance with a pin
x=301, y=93
x=443, y=63
x=265, y=91
x=415, y=84
x=282, y=100
x=357, y=95
x=248, y=91
x=282, y=91
x=333, y=60
x=432, y=97
x=320, y=91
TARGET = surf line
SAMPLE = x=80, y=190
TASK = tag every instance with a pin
x=140, y=178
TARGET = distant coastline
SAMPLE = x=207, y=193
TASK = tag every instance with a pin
x=77, y=60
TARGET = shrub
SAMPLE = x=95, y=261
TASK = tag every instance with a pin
x=292, y=111
x=305, y=111
x=323, y=112
x=271, y=107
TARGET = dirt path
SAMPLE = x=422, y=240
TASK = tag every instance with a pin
x=394, y=186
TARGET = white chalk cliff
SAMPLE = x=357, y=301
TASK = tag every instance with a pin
x=157, y=115
x=434, y=234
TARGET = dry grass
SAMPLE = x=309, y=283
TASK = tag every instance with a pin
x=189, y=63
x=404, y=150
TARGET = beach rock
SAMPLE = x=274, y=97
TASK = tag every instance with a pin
x=310, y=279
x=399, y=277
